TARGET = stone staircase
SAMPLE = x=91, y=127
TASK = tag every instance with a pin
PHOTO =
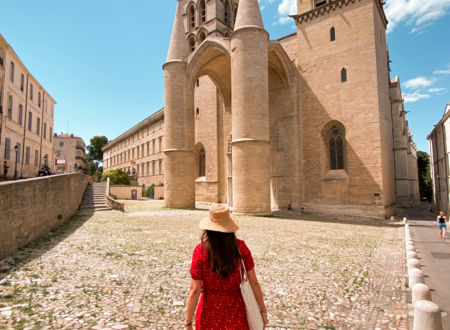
x=95, y=198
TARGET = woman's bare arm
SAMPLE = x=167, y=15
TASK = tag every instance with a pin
x=258, y=293
x=194, y=294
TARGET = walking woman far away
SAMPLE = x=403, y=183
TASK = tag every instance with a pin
x=215, y=273
x=442, y=219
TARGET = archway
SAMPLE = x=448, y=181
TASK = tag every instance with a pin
x=209, y=101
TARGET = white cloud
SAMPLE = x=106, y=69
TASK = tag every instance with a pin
x=414, y=97
x=436, y=90
x=418, y=82
x=445, y=71
x=416, y=13
x=286, y=8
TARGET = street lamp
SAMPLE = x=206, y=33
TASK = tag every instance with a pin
x=16, y=149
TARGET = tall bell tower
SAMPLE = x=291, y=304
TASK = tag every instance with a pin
x=203, y=18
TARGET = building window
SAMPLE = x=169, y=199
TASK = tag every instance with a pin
x=27, y=156
x=10, y=106
x=38, y=126
x=203, y=11
x=343, y=75
x=336, y=146
x=39, y=99
x=22, y=82
x=45, y=130
x=1, y=60
x=319, y=3
x=61, y=144
x=7, y=148
x=36, y=158
x=333, y=34
x=202, y=36
x=30, y=121
x=31, y=91
x=50, y=134
x=11, y=73
x=197, y=112
x=153, y=168
x=198, y=82
x=20, y=119
x=202, y=162
x=192, y=44
x=227, y=12
x=160, y=144
x=160, y=166
x=192, y=17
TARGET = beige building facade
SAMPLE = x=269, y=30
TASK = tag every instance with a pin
x=139, y=151
x=305, y=121
x=70, y=153
x=439, y=141
x=26, y=123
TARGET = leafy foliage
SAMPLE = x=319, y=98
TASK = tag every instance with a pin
x=117, y=176
x=425, y=182
x=94, y=156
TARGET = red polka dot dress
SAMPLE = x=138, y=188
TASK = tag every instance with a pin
x=221, y=305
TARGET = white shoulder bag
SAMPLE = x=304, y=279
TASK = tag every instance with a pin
x=254, y=317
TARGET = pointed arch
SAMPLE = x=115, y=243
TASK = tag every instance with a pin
x=334, y=135
x=200, y=155
x=201, y=35
x=191, y=12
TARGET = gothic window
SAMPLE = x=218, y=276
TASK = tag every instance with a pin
x=203, y=11
x=192, y=44
x=227, y=12
x=336, y=148
x=202, y=162
x=192, y=17
x=343, y=75
x=333, y=34
x=202, y=36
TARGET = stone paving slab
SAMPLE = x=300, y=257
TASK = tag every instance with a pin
x=130, y=271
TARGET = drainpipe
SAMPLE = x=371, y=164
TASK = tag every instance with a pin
x=42, y=127
x=25, y=126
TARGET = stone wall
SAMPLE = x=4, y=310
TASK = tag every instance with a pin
x=125, y=192
x=30, y=208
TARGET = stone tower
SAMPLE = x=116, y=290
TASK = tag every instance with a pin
x=344, y=80
x=205, y=18
x=250, y=104
x=179, y=126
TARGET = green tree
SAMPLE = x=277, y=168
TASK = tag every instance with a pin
x=116, y=176
x=94, y=156
x=95, y=148
x=425, y=182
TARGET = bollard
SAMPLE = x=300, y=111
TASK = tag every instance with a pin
x=413, y=263
x=405, y=220
x=410, y=248
x=420, y=291
x=427, y=316
x=415, y=277
x=411, y=255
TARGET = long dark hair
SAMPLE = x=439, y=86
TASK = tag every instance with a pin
x=223, y=251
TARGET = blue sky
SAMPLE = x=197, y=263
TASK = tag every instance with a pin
x=101, y=60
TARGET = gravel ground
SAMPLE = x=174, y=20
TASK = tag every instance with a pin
x=126, y=271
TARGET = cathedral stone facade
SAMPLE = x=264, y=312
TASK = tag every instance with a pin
x=306, y=121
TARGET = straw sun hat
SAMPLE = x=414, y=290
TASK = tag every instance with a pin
x=219, y=220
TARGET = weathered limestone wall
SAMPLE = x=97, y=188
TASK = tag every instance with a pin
x=325, y=99
x=30, y=208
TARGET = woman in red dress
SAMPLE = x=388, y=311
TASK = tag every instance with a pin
x=216, y=276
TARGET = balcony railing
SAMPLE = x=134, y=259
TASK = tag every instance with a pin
x=79, y=158
x=80, y=148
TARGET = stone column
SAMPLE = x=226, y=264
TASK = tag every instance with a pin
x=250, y=112
x=179, y=178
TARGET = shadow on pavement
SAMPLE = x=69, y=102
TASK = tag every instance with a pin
x=43, y=244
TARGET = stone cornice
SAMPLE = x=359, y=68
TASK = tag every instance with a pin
x=332, y=5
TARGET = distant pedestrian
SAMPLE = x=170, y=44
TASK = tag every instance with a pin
x=5, y=168
x=442, y=219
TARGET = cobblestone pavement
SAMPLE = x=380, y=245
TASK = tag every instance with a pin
x=126, y=271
